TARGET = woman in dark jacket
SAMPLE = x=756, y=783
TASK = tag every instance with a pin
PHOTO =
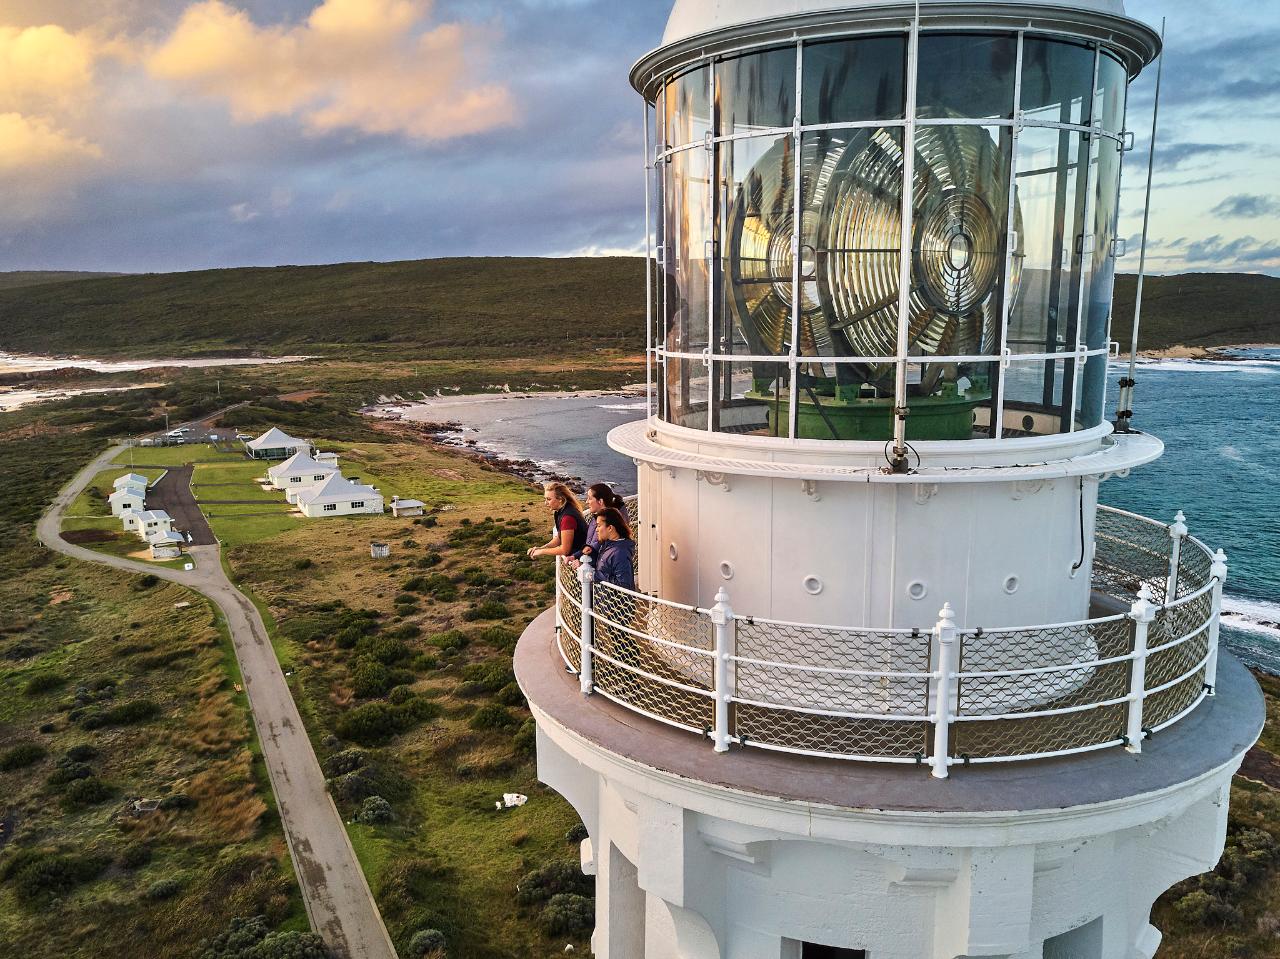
x=600, y=497
x=615, y=563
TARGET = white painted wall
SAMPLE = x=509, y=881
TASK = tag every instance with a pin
x=372, y=504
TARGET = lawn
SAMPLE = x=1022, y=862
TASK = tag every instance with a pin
x=165, y=456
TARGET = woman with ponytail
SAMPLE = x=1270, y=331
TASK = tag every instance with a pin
x=600, y=497
x=569, y=531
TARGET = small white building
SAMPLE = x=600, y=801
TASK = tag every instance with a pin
x=126, y=498
x=275, y=444
x=130, y=520
x=338, y=496
x=407, y=507
x=299, y=470
x=131, y=479
x=330, y=459
x=167, y=545
x=153, y=521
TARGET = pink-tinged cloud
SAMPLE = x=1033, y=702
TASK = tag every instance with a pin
x=373, y=66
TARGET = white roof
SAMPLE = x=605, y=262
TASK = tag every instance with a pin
x=128, y=491
x=131, y=513
x=690, y=18
x=155, y=516
x=130, y=479
x=300, y=462
x=169, y=536
x=408, y=504
x=337, y=489
x=274, y=439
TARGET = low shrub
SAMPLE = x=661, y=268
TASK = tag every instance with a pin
x=427, y=944
x=68, y=770
x=576, y=834
x=569, y=915
x=125, y=714
x=525, y=740
x=417, y=584
x=349, y=760
x=38, y=876
x=370, y=679
x=145, y=582
x=486, y=677
x=383, y=649
x=44, y=682
x=453, y=639
x=21, y=756
x=510, y=695
x=251, y=939
x=375, y=811
x=135, y=856
x=305, y=563
x=499, y=637
x=162, y=889
x=430, y=560
x=492, y=716
x=489, y=609
x=84, y=793
x=545, y=882
x=376, y=723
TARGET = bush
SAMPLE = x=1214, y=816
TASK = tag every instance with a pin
x=44, y=682
x=302, y=564
x=492, y=716
x=427, y=942
x=358, y=785
x=510, y=695
x=499, y=637
x=576, y=834
x=375, y=811
x=38, y=876
x=486, y=677
x=82, y=753
x=430, y=560
x=568, y=915
x=383, y=649
x=21, y=756
x=525, y=740
x=84, y=793
x=135, y=856
x=453, y=639
x=1199, y=908
x=348, y=637
x=562, y=876
x=177, y=801
x=516, y=545
x=405, y=631
x=370, y=679
x=489, y=609
x=125, y=714
x=68, y=770
x=144, y=583
x=349, y=760
x=418, y=584
x=375, y=723
x=291, y=945
x=162, y=889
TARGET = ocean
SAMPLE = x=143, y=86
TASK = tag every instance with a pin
x=1220, y=421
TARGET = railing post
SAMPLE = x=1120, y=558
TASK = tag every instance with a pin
x=726, y=629
x=585, y=577
x=1178, y=532
x=1143, y=613
x=944, y=633
x=1219, y=573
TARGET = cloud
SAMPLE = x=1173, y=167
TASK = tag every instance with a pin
x=371, y=66
x=1248, y=206
x=1174, y=155
x=30, y=144
x=43, y=68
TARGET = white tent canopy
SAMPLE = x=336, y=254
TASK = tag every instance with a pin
x=276, y=439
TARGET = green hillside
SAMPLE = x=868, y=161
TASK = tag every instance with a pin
x=496, y=306
x=375, y=308
x=1200, y=309
x=20, y=278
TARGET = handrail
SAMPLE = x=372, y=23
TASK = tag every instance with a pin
x=1113, y=687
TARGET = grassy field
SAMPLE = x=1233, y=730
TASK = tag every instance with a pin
x=93, y=501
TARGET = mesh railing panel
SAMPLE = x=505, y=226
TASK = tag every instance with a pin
x=1078, y=646
x=1170, y=703
x=1131, y=552
x=570, y=615
x=1174, y=658
x=641, y=672
x=1195, y=568
x=832, y=735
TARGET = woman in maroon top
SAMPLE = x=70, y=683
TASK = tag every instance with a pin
x=569, y=533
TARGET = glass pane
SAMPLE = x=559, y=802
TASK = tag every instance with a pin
x=851, y=80
x=750, y=398
x=1092, y=400
x=1098, y=306
x=1050, y=208
x=1057, y=81
x=850, y=250
x=688, y=108
x=756, y=203
x=756, y=91
x=966, y=75
x=959, y=234
x=949, y=401
x=1037, y=395
x=687, y=384
x=688, y=232
x=1113, y=88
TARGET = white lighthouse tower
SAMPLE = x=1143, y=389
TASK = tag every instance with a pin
x=894, y=686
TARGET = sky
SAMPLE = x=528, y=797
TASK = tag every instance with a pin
x=165, y=135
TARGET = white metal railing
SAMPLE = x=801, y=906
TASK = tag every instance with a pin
x=939, y=696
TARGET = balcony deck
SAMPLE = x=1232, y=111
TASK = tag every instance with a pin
x=1215, y=734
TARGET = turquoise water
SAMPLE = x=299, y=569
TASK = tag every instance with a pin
x=1220, y=422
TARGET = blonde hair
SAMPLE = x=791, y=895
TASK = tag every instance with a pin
x=564, y=493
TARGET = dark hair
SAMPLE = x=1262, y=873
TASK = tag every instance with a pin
x=615, y=518
x=605, y=494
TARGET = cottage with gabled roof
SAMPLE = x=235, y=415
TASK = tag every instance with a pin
x=338, y=496
x=153, y=521
x=130, y=479
x=127, y=498
x=299, y=470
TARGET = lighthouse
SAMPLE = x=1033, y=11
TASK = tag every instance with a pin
x=893, y=685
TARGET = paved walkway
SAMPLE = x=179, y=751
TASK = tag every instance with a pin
x=338, y=900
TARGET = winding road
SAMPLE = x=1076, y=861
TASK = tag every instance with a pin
x=339, y=904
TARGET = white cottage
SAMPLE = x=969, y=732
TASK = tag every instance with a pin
x=338, y=496
x=130, y=479
x=127, y=498
x=300, y=470
x=153, y=521
x=275, y=444
x=130, y=520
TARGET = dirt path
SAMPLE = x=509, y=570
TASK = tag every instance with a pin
x=337, y=897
